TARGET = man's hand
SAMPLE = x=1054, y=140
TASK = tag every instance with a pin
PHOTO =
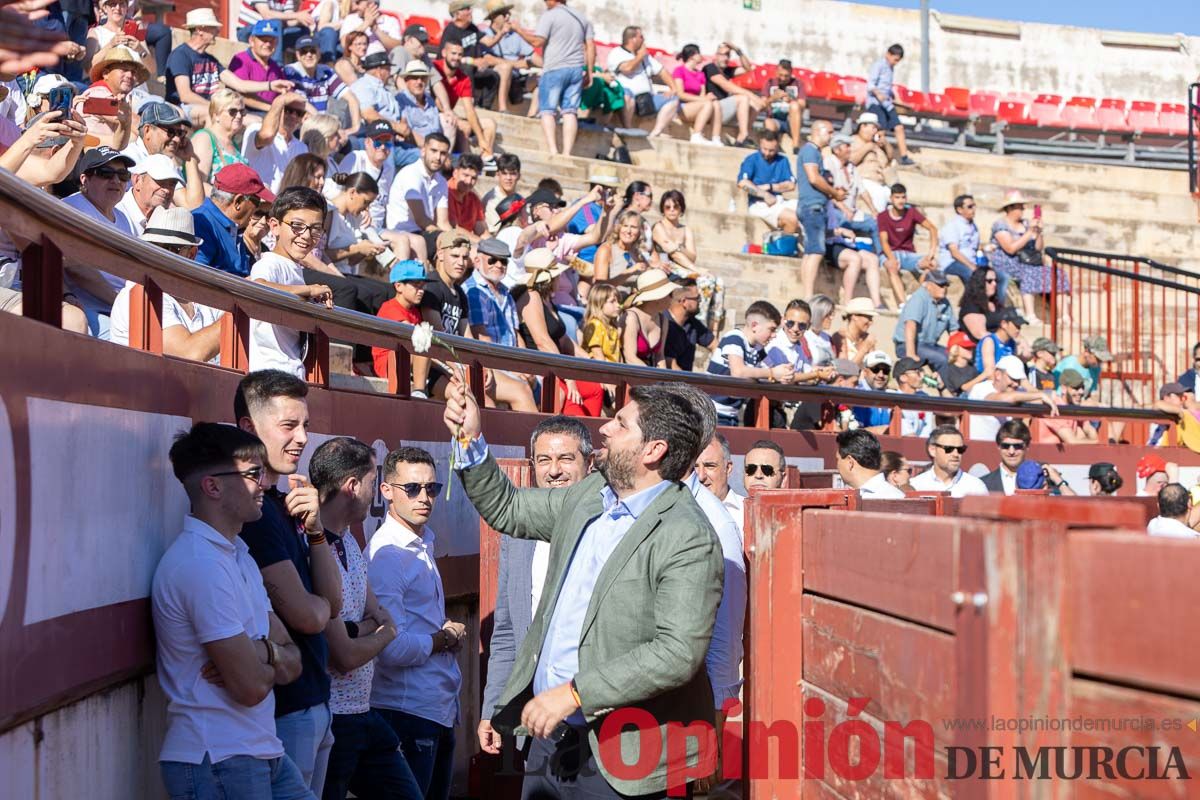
x=839, y=193
x=587, y=79
x=319, y=293
x=303, y=502
x=1052, y=401
x=211, y=674
x=783, y=373
x=462, y=414
x=489, y=739
x=282, y=87
x=545, y=711
x=458, y=631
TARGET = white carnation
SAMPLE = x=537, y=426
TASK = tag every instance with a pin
x=422, y=338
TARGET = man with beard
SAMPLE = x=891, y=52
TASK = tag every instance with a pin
x=623, y=540
x=947, y=448
x=561, y=450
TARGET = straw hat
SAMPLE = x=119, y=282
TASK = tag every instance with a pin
x=494, y=7
x=859, y=305
x=1013, y=197
x=118, y=55
x=201, y=18
x=603, y=176
x=171, y=226
x=542, y=266
x=652, y=284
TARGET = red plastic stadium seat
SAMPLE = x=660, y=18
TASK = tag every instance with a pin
x=983, y=104
x=754, y=80
x=959, y=97
x=1087, y=102
x=1173, y=117
x=1046, y=110
x=917, y=101
x=1013, y=114
x=855, y=88
x=826, y=85
x=1143, y=117
x=940, y=105
x=1112, y=116
x=433, y=26
x=1080, y=117
x=805, y=76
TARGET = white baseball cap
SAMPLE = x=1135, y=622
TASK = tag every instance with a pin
x=1013, y=366
x=875, y=358
x=158, y=166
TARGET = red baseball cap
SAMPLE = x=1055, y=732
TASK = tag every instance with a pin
x=957, y=338
x=241, y=179
x=1149, y=464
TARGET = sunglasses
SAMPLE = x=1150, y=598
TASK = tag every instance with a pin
x=254, y=474
x=495, y=262
x=308, y=51
x=768, y=471
x=1018, y=446
x=952, y=448
x=413, y=490
x=968, y=208
x=173, y=131
x=236, y=112
x=882, y=369
x=108, y=173
x=791, y=325
x=299, y=228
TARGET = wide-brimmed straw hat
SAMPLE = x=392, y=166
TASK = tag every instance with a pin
x=118, y=55
x=652, y=284
x=1013, y=197
x=542, y=266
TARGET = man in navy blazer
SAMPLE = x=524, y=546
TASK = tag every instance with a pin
x=561, y=450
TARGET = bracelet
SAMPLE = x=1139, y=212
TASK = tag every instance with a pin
x=575, y=693
x=270, y=651
x=315, y=539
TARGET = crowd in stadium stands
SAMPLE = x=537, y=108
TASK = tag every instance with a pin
x=337, y=159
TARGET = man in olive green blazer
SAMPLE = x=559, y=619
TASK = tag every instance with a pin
x=632, y=590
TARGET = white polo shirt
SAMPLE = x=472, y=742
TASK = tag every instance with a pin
x=414, y=183
x=172, y=314
x=207, y=588
x=274, y=346
x=963, y=484
x=878, y=488
x=1170, y=528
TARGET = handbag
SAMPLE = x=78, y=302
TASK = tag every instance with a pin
x=1030, y=255
x=643, y=104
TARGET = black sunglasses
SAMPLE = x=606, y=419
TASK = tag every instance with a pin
x=173, y=131
x=881, y=369
x=1012, y=445
x=413, y=490
x=496, y=261
x=253, y=474
x=108, y=172
x=768, y=471
x=952, y=448
x=791, y=324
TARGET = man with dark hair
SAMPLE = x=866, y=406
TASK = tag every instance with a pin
x=582, y=658
x=474, y=48
x=741, y=352
x=1013, y=439
x=881, y=98
x=765, y=176
x=946, y=448
x=419, y=204
x=465, y=207
x=212, y=620
x=561, y=450
x=786, y=97
x=898, y=224
x=958, y=243
x=635, y=69
x=417, y=679
x=300, y=571
x=1175, y=517
x=508, y=175
x=814, y=191
x=859, y=458
x=366, y=752
x=460, y=90
x=765, y=466
x=684, y=332
x=1188, y=378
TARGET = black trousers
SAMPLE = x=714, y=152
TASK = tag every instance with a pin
x=566, y=769
x=485, y=85
x=355, y=292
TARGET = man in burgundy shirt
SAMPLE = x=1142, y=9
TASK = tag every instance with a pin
x=897, y=228
x=461, y=92
x=466, y=209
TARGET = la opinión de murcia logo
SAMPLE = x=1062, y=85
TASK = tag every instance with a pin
x=854, y=750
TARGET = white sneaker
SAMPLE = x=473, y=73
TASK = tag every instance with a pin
x=698, y=138
x=716, y=140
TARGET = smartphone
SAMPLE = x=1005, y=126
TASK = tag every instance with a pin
x=60, y=98
x=100, y=106
x=1037, y=212
x=132, y=28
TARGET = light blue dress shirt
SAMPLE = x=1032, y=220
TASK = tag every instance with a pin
x=724, y=657
x=559, y=660
x=960, y=232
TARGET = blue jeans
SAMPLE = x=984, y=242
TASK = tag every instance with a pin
x=307, y=737
x=237, y=778
x=328, y=44
x=158, y=39
x=561, y=89
x=935, y=354
x=366, y=759
x=572, y=318
x=866, y=227
x=812, y=221
x=428, y=748
x=909, y=261
x=405, y=154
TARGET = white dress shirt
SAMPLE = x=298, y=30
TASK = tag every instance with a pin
x=723, y=660
x=1170, y=528
x=962, y=485
x=878, y=488
x=1008, y=480
x=409, y=676
x=736, y=503
x=538, y=568
x=207, y=588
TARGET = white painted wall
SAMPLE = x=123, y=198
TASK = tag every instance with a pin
x=846, y=37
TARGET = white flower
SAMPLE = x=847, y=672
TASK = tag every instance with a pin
x=422, y=338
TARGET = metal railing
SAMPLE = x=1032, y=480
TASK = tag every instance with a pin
x=1193, y=153
x=1146, y=311
x=56, y=229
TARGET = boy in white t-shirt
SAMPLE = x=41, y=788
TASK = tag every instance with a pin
x=297, y=221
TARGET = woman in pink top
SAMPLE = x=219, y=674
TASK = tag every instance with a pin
x=699, y=107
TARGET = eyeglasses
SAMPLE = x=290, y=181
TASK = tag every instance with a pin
x=108, y=173
x=173, y=132
x=299, y=228
x=236, y=112
x=905, y=468
x=179, y=249
x=791, y=325
x=768, y=471
x=881, y=369
x=1018, y=446
x=952, y=448
x=254, y=474
x=413, y=490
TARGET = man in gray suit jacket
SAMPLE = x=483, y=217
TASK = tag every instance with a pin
x=633, y=585
x=561, y=450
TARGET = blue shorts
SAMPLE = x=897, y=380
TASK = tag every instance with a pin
x=812, y=221
x=889, y=120
x=560, y=89
x=909, y=261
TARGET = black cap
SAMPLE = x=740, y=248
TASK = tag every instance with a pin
x=906, y=364
x=417, y=32
x=495, y=248
x=379, y=129
x=99, y=156
x=375, y=60
x=509, y=207
x=305, y=41
x=1010, y=314
x=545, y=196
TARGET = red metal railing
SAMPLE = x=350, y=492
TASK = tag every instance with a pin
x=1148, y=312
